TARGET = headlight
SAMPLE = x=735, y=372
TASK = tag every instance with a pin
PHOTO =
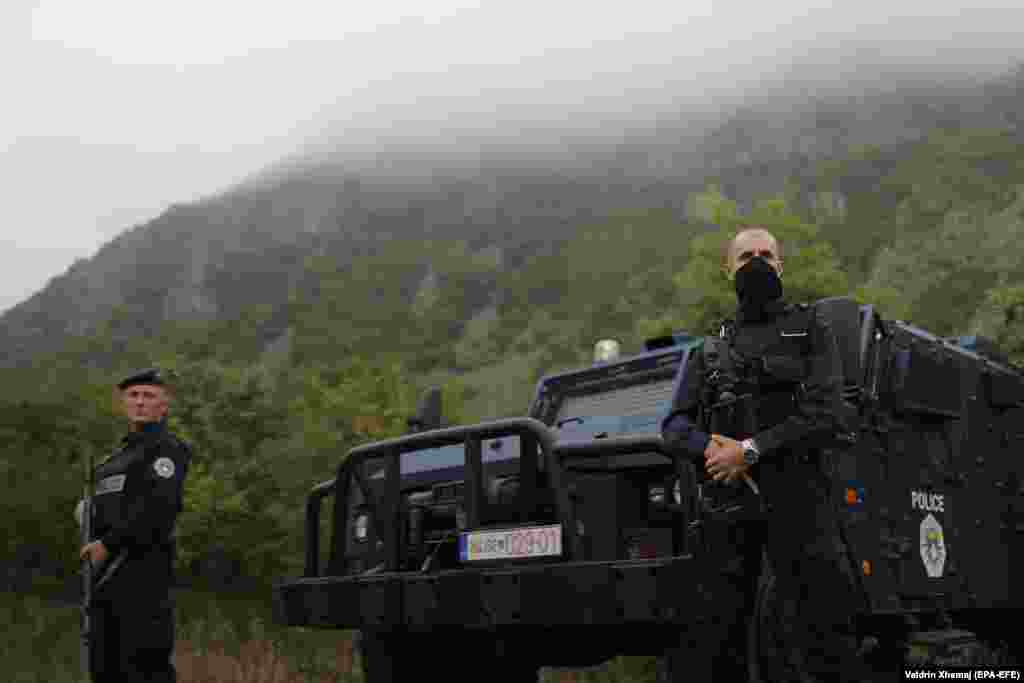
x=606, y=350
x=360, y=527
x=657, y=494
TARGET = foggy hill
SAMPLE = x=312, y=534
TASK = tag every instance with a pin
x=250, y=245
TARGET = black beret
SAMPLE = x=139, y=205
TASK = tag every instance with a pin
x=150, y=376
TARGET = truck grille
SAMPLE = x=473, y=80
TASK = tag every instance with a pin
x=448, y=492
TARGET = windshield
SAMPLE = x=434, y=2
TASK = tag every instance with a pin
x=447, y=457
x=611, y=425
x=636, y=409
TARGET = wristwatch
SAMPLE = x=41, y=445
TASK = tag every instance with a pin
x=750, y=453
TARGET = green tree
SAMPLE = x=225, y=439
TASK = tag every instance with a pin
x=704, y=294
x=940, y=279
x=1001, y=318
x=228, y=415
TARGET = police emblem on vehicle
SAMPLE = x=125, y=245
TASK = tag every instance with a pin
x=933, y=546
x=164, y=467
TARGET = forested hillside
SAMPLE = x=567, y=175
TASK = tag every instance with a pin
x=306, y=315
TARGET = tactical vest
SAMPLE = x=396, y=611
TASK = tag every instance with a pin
x=735, y=383
x=748, y=383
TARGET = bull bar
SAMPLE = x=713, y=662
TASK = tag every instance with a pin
x=664, y=590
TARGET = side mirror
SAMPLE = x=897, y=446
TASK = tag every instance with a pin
x=428, y=415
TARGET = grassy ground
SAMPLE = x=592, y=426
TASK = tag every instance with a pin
x=221, y=639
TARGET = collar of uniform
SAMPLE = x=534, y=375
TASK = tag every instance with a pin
x=148, y=430
x=771, y=310
x=153, y=427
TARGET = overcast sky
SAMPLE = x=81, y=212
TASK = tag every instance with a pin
x=113, y=109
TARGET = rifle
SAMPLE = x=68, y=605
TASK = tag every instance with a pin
x=86, y=537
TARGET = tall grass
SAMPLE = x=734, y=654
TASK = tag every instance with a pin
x=220, y=639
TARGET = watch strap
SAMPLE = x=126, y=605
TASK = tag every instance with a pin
x=750, y=446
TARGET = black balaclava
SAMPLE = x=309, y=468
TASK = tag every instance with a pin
x=757, y=285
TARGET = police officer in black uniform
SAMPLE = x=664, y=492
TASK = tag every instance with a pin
x=785, y=358
x=137, y=499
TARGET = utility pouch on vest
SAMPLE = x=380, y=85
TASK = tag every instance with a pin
x=784, y=368
x=727, y=411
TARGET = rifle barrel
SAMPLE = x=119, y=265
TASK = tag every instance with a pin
x=87, y=568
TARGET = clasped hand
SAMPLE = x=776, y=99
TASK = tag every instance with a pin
x=724, y=459
x=96, y=552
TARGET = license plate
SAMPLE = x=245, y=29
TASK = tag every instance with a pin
x=511, y=544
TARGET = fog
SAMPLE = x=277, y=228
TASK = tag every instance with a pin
x=591, y=84
x=114, y=110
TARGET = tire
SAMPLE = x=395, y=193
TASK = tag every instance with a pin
x=710, y=651
x=381, y=656
x=512, y=662
x=403, y=657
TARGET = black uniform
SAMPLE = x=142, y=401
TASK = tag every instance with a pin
x=787, y=359
x=137, y=499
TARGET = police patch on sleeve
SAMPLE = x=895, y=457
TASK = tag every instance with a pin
x=111, y=484
x=164, y=467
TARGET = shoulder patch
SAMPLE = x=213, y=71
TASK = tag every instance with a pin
x=111, y=484
x=164, y=467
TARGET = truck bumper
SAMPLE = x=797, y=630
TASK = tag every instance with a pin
x=671, y=590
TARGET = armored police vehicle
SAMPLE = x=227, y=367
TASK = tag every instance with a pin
x=572, y=535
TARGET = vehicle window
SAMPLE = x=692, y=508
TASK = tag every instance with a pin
x=433, y=459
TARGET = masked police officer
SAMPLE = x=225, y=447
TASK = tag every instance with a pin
x=785, y=358
x=136, y=501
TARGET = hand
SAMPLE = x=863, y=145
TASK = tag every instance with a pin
x=95, y=551
x=724, y=459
